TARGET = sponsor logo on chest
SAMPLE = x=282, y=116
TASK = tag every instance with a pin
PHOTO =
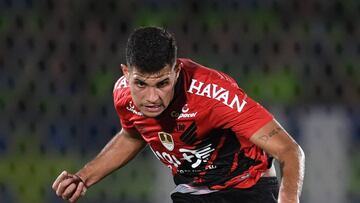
x=213, y=91
x=184, y=113
x=193, y=156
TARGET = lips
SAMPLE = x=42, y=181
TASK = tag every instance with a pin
x=152, y=108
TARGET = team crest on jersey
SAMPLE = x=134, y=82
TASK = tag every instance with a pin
x=166, y=140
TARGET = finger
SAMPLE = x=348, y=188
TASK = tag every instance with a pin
x=76, y=177
x=83, y=192
x=69, y=191
x=80, y=191
x=63, y=185
x=60, y=178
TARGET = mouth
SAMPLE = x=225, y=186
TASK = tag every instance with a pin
x=153, y=108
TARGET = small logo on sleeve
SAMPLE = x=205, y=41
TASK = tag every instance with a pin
x=132, y=109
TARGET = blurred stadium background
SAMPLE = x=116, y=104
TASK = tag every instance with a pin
x=60, y=59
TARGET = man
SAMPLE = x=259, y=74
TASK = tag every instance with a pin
x=217, y=141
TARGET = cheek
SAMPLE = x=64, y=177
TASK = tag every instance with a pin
x=167, y=95
x=136, y=94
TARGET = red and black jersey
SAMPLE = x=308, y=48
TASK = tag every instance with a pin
x=203, y=135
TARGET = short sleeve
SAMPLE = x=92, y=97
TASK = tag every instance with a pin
x=244, y=117
x=122, y=100
x=125, y=120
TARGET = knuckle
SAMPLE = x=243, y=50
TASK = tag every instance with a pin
x=74, y=198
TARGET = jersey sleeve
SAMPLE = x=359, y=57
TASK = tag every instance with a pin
x=121, y=100
x=252, y=115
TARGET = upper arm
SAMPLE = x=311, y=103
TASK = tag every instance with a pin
x=131, y=135
x=273, y=139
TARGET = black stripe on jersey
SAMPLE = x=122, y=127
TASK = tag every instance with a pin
x=189, y=136
x=225, y=159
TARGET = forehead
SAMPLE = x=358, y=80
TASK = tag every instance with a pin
x=162, y=74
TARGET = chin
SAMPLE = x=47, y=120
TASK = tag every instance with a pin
x=151, y=114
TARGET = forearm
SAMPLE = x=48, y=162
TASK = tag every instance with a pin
x=278, y=143
x=292, y=167
x=118, y=152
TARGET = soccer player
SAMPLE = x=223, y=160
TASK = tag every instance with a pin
x=217, y=141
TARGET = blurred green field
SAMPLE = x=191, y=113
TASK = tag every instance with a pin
x=28, y=176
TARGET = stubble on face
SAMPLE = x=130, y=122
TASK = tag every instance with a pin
x=152, y=93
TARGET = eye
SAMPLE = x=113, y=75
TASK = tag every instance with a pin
x=140, y=84
x=162, y=83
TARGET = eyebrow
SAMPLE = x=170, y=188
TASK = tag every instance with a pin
x=164, y=80
x=143, y=81
x=155, y=75
x=139, y=80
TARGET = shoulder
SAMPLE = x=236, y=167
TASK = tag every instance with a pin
x=121, y=92
x=204, y=74
x=212, y=86
x=121, y=83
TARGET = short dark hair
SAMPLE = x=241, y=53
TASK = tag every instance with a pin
x=150, y=49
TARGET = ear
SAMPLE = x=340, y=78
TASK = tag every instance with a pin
x=125, y=70
x=178, y=69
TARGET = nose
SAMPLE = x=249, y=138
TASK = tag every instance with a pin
x=152, y=96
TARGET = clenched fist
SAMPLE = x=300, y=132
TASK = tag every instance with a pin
x=69, y=186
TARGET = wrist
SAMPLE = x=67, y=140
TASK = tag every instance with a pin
x=82, y=178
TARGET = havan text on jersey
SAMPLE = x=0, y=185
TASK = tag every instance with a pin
x=214, y=92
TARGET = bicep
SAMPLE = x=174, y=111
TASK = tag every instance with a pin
x=131, y=134
x=273, y=139
x=126, y=141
